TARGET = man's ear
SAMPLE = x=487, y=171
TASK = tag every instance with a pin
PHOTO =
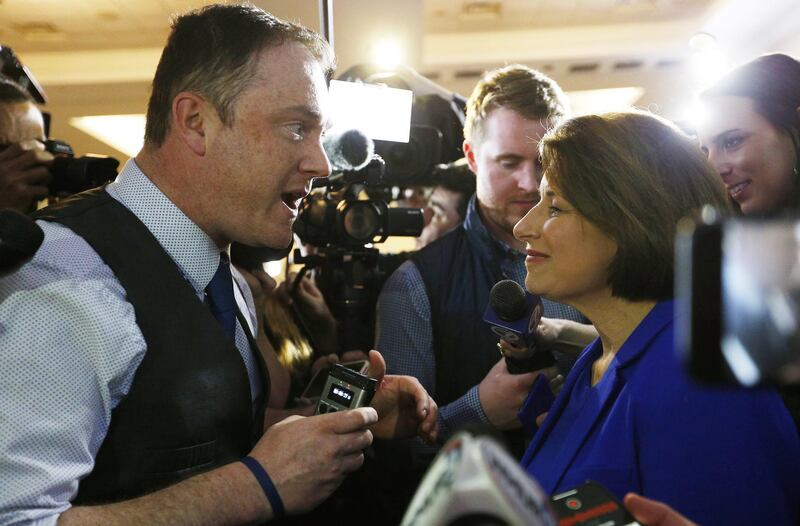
x=469, y=154
x=189, y=120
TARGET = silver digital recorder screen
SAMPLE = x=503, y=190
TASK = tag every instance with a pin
x=340, y=394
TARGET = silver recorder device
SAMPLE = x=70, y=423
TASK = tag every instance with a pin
x=345, y=389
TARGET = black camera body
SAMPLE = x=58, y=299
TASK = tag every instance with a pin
x=72, y=175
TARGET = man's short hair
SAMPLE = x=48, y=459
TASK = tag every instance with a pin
x=634, y=176
x=213, y=51
x=524, y=90
x=12, y=93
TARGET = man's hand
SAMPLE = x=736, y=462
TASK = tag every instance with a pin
x=404, y=407
x=502, y=393
x=654, y=513
x=24, y=175
x=307, y=458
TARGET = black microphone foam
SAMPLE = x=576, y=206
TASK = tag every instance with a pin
x=348, y=150
x=508, y=300
x=20, y=238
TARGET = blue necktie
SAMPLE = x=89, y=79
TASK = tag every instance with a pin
x=220, y=296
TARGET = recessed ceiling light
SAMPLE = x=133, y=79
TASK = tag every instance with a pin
x=480, y=11
x=40, y=32
x=122, y=132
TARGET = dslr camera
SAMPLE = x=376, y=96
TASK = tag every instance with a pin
x=70, y=174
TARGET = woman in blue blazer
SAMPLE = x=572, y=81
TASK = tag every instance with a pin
x=601, y=239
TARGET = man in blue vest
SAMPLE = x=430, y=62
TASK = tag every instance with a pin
x=430, y=310
x=132, y=390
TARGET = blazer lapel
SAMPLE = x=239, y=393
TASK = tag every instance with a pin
x=607, y=392
x=585, y=360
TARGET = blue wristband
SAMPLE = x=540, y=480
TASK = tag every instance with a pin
x=266, y=485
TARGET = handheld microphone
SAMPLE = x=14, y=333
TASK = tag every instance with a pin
x=514, y=314
x=20, y=238
x=474, y=481
x=348, y=150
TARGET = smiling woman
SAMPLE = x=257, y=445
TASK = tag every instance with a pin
x=751, y=134
x=601, y=239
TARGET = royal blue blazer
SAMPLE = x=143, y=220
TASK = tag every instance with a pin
x=722, y=456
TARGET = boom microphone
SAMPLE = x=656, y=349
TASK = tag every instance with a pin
x=20, y=238
x=348, y=150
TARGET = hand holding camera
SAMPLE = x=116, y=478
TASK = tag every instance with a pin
x=24, y=175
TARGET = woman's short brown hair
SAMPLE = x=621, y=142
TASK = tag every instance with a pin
x=634, y=176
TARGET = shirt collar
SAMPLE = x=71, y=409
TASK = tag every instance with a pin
x=478, y=233
x=661, y=316
x=186, y=243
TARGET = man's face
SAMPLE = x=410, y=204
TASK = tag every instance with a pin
x=262, y=163
x=444, y=207
x=505, y=159
x=20, y=122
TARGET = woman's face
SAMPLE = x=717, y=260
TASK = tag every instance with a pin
x=567, y=256
x=755, y=160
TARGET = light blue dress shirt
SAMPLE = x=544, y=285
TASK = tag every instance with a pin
x=70, y=348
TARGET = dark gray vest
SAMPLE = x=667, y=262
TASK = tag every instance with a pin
x=189, y=408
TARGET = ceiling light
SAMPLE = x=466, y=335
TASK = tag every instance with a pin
x=480, y=11
x=387, y=54
x=702, y=41
x=122, y=132
x=40, y=32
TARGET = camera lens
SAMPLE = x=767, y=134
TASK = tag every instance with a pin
x=361, y=221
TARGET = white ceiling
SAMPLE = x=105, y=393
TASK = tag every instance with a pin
x=97, y=56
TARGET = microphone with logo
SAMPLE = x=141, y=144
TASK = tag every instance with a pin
x=20, y=238
x=514, y=314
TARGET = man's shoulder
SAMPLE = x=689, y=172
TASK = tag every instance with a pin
x=62, y=256
x=404, y=279
x=440, y=248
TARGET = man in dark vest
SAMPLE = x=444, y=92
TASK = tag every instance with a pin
x=131, y=386
x=430, y=310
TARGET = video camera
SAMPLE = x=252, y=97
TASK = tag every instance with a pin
x=70, y=174
x=739, y=281
x=354, y=209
